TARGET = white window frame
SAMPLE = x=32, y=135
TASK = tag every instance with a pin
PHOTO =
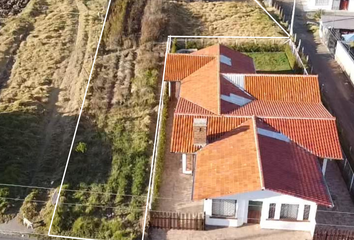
x=221, y=201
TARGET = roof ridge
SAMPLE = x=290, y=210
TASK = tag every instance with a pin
x=188, y=54
x=261, y=177
x=250, y=116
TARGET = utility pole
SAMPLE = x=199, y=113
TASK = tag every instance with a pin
x=292, y=19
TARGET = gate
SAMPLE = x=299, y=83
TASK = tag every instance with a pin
x=177, y=220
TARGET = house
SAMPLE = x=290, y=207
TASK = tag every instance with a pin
x=257, y=145
x=345, y=5
x=334, y=27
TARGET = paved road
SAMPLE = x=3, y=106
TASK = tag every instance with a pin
x=338, y=90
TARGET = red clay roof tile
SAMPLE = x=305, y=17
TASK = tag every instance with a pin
x=222, y=168
x=179, y=66
x=287, y=88
x=201, y=86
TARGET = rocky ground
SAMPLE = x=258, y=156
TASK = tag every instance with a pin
x=11, y=7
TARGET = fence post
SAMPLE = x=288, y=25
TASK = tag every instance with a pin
x=298, y=47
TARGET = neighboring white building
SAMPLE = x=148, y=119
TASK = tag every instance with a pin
x=345, y=5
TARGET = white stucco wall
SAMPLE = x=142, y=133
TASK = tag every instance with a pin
x=345, y=60
x=311, y=5
x=267, y=197
x=351, y=6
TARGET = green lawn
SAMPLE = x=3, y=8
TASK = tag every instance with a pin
x=271, y=62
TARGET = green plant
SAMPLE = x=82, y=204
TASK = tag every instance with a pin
x=318, y=14
x=161, y=149
x=81, y=147
x=4, y=204
x=174, y=46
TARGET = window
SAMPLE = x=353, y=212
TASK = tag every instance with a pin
x=307, y=212
x=289, y=211
x=271, y=213
x=223, y=208
x=225, y=60
x=322, y=2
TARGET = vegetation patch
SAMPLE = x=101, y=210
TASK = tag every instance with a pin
x=221, y=19
x=271, y=62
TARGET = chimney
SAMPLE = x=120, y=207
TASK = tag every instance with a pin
x=200, y=132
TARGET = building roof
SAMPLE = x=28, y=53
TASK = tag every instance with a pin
x=251, y=120
x=254, y=156
x=222, y=169
x=338, y=21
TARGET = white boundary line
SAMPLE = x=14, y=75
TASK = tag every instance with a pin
x=157, y=133
x=265, y=10
x=77, y=126
x=234, y=37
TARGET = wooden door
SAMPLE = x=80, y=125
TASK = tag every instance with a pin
x=254, y=211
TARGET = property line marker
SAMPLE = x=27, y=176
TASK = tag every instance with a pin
x=265, y=10
x=153, y=158
x=77, y=126
x=235, y=37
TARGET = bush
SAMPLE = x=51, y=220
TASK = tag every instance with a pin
x=29, y=208
x=4, y=204
x=258, y=47
x=292, y=60
x=161, y=149
x=81, y=147
x=153, y=22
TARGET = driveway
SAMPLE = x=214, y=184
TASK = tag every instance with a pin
x=176, y=188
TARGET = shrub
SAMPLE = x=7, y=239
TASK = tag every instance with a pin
x=153, y=22
x=258, y=47
x=86, y=226
x=161, y=149
x=139, y=176
x=81, y=147
x=174, y=46
x=29, y=207
x=4, y=204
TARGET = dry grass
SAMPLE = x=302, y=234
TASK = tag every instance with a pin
x=221, y=19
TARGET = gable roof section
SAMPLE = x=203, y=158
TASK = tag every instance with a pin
x=253, y=157
x=240, y=63
x=222, y=169
x=278, y=109
x=287, y=88
x=289, y=169
x=182, y=130
x=228, y=89
x=179, y=66
x=201, y=86
x=318, y=136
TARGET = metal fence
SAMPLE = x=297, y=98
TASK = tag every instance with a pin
x=176, y=220
x=348, y=175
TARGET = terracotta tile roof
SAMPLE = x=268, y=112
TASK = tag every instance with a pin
x=289, y=169
x=227, y=88
x=223, y=169
x=319, y=137
x=179, y=66
x=244, y=160
x=186, y=107
x=182, y=130
x=287, y=88
x=241, y=63
x=200, y=86
x=283, y=109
